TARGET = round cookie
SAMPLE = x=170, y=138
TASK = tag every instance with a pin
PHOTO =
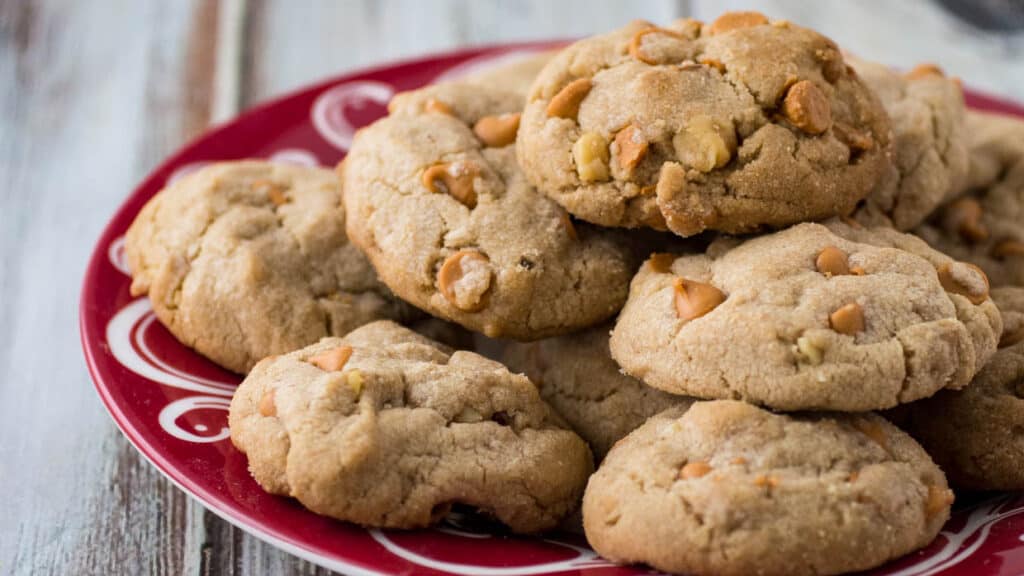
x=926, y=110
x=727, y=488
x=986, y=226
x=813, y=317
x=578, y=378
x=386, y=428
x=977, y=434
x=246, y=259
x=732, y=126
x=442, y=210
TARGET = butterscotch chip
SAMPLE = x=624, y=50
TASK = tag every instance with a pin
x=965, y=279
x=455, y=179
x=1007, y=249
x=631, y=147
x=791, y=338
x=464, y=278
x=265, y=282
x=807, y=107
x=939, y=501
x=922, y=70
x=964, y=218
x=660, y=518
x=848, y=319
x=694, y=470
x=267, y=406
x=332, y=360
x=351, y=445
x=858, y=271
x=694, y=299
x=566, y=104
x=437, y=107
x=497, y=131
x=735, y=20
x=832, y=261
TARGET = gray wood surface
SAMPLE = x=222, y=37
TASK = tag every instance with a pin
x=94, y=94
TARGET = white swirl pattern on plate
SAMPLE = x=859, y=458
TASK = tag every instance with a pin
x=126, y=331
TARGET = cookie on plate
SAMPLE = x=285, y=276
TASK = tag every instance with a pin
x=246, y=259
x=386, y=428
x=926, y=110
x=578, y=378
x=977, y=434
x=986, y=226
x=732, y=126
x=515, y=76
x=813, y=317
x=438, y=203
x=728, y=488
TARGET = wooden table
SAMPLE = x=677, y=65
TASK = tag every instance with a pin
x=94, y=94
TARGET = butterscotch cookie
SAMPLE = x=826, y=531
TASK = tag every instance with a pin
x=441, y=208
x=727, y=488
x=926, y=110
x=246, y=259
x=986, y=226
x=387, y=428
x=578, y=378
x=977, y=434
x=733, y=126
x=814, y=317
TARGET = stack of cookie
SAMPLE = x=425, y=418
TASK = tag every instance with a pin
x=776, y=191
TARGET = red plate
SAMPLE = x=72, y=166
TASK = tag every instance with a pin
x=172, y=404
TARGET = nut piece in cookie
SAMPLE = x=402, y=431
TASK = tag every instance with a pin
x=403, y=429
x=728, y=488
x=930, y=159
x=242, y=260
x=822, y=317
x=984, y=226
x=975, y=434
x=578, y=378
x=737, y=125
x=441, y=208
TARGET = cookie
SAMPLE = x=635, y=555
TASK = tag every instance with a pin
x=813, y=317
x=977, y=434
x=246, y=259
x=732, y=126
x=986, y=226
x=727, y=488
x=516, y=76
x=578, y=378
x=441, y=208
x=386, y=428
x=926, y=110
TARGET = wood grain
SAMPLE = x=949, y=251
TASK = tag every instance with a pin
x=93, y=95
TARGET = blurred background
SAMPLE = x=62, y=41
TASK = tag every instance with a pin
x=93, y=94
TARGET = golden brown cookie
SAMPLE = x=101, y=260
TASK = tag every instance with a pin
x=726, y=488
x=386, y=428
x=822, y=317
x=730, y=127
x=246, y=259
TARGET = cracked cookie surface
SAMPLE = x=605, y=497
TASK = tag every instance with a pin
x=386, y=428
x=728, y=488
x=578, y=378
x=986, y=225
x=694, y=127
x=977, y=434
x=439, y=205
x=246, y=259
x=926, y=110
x=835, y=317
